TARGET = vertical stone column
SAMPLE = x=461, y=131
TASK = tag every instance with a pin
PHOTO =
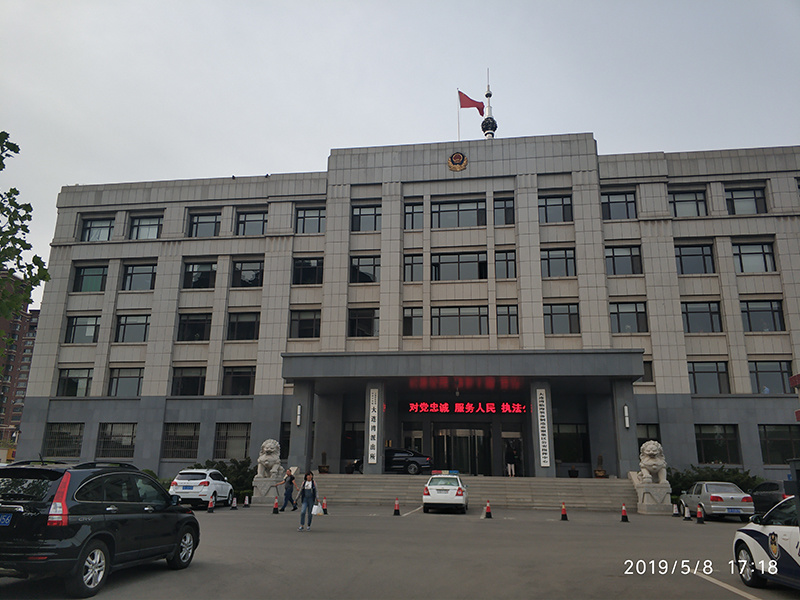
x=300, y=446
x=373, y=431
x=544, y=461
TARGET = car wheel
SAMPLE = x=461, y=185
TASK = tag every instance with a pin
x=214, y=498
x=682, y=509
x=184, y=552
x=463, y=510
x=229, y=499
x=425, y=509
x=747, y=567
x=91, y=571
x=412, y=469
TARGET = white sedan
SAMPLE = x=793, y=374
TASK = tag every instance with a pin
x=767, y=547
x=445, y=491
x=198, y=486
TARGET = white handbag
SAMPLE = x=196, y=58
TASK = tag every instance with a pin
x=316, y=509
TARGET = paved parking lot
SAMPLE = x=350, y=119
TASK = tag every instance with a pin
x=366, y=552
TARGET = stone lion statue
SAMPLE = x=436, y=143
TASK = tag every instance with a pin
x=269, y=459
x=652, y=463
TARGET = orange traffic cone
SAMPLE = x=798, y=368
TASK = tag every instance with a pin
x=246, y=502
x=233, y=504
x=396, y=507
x=210, y=505
x=624, y=515
x=324, y=505
x=564, y=512
x=675, y=511
x=687, y=516
x=488, y=510
x=700, y=519
x=275, y=510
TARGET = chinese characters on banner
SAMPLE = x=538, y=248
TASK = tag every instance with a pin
x=467, y=407
x=372, y=450
x=544, y=438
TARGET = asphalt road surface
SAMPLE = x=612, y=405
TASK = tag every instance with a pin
x=367, y=552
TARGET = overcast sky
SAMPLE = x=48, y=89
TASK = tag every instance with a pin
x=95, y=91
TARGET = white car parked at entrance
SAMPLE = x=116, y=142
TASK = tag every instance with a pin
x=198, y=486
x=444, y=491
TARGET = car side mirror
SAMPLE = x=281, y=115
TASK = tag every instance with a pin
x=175, y=499
x=757, y=519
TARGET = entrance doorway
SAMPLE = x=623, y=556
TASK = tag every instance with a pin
x=463, y=447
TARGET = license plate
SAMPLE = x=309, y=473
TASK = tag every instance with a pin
x=734, y=510
x=5, y=520
x=186, y=487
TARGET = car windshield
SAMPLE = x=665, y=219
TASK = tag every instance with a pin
x=443, y=481
x=26, y=484
x=723, y=488
x=191, y=476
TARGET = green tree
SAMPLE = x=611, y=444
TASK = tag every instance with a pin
x=18, y=276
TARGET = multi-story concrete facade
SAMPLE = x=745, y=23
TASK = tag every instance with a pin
x=460, y=298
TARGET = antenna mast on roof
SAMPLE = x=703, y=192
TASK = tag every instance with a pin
x=489, y=125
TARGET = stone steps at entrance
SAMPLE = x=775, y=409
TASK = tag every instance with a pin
x=501, y=492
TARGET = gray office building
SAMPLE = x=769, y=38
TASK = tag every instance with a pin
x=463, y=299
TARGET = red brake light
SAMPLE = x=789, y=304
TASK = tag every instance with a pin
x=459, y=492
x=785, y=496
x=204, y=483
x=174, y=483
x=716, y=498
x=426, y=492
x=747, y=499
x=58, y=514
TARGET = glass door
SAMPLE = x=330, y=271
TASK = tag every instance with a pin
x=465, y=448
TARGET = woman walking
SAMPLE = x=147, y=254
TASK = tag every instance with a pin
x=307, y=498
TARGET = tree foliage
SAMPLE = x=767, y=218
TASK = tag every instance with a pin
x=18, y=276
x=683, y=480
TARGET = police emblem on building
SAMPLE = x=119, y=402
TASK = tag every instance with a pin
x=457, y=162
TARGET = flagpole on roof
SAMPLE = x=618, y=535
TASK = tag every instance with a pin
x=458, y=112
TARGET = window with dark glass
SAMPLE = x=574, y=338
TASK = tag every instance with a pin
x=82, y=330
x=646, y=432
x=507, y=321
x=63, y=440
x=365, y=269
x=194, y=327
x=199, y=275
x=694, y=260
x=762, y=315
x=555, y=209
x=97, y=230
x=618, y=205
x=285, y=439
x=561, y=319
x=770, y=376
x=709, y=377
x=412, y=321
x=238, y=381
x=307, y=271
x=746, y=202
x=701, y=317
x=251, y=222
x=146, y=227
x=460, y=320
x=90, y=279
x=243, y=326
x=248, y=273
x=231, y=440
x=188, y=381
x=204, y=225
x=125, y=382
x=717, y=444
x=779, y=443
x=365, y=218
x=628, y=317
x=362, y=322
x=132, y=328
x=753, y=258
x=116, y=440
x=74, y=382
x=647, y=372
x=310, y=220
x=505, y=264
x=503, y=211
x=571, y=443
x=623, y=260
x=412, y=267
x=462, y=266
x=139, y=277
x=465, y=213
x=352, y=440
x=180, y=440
x=413, y=213
x=304, y=323
x=558, y=262
x=688, y=203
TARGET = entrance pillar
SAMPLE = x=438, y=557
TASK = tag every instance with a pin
x=375, y=413
x=301, y=440
x=544, y=462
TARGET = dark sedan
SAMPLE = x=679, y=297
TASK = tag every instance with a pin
x=396, y=460
x=768, y=493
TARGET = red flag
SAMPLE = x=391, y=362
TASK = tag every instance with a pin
x=467, y=102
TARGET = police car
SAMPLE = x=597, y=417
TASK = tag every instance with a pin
x=768, y=547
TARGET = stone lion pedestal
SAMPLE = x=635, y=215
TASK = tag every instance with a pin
x=269, y=474
x=652, y=488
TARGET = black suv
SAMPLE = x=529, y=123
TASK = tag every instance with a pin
x=399, y=461
x=80, y=522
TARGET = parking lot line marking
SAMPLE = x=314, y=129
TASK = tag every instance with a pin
x=411, y=512
x=730, y=588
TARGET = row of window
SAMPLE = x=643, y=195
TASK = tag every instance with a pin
x=445, y=214
x=453, y=266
